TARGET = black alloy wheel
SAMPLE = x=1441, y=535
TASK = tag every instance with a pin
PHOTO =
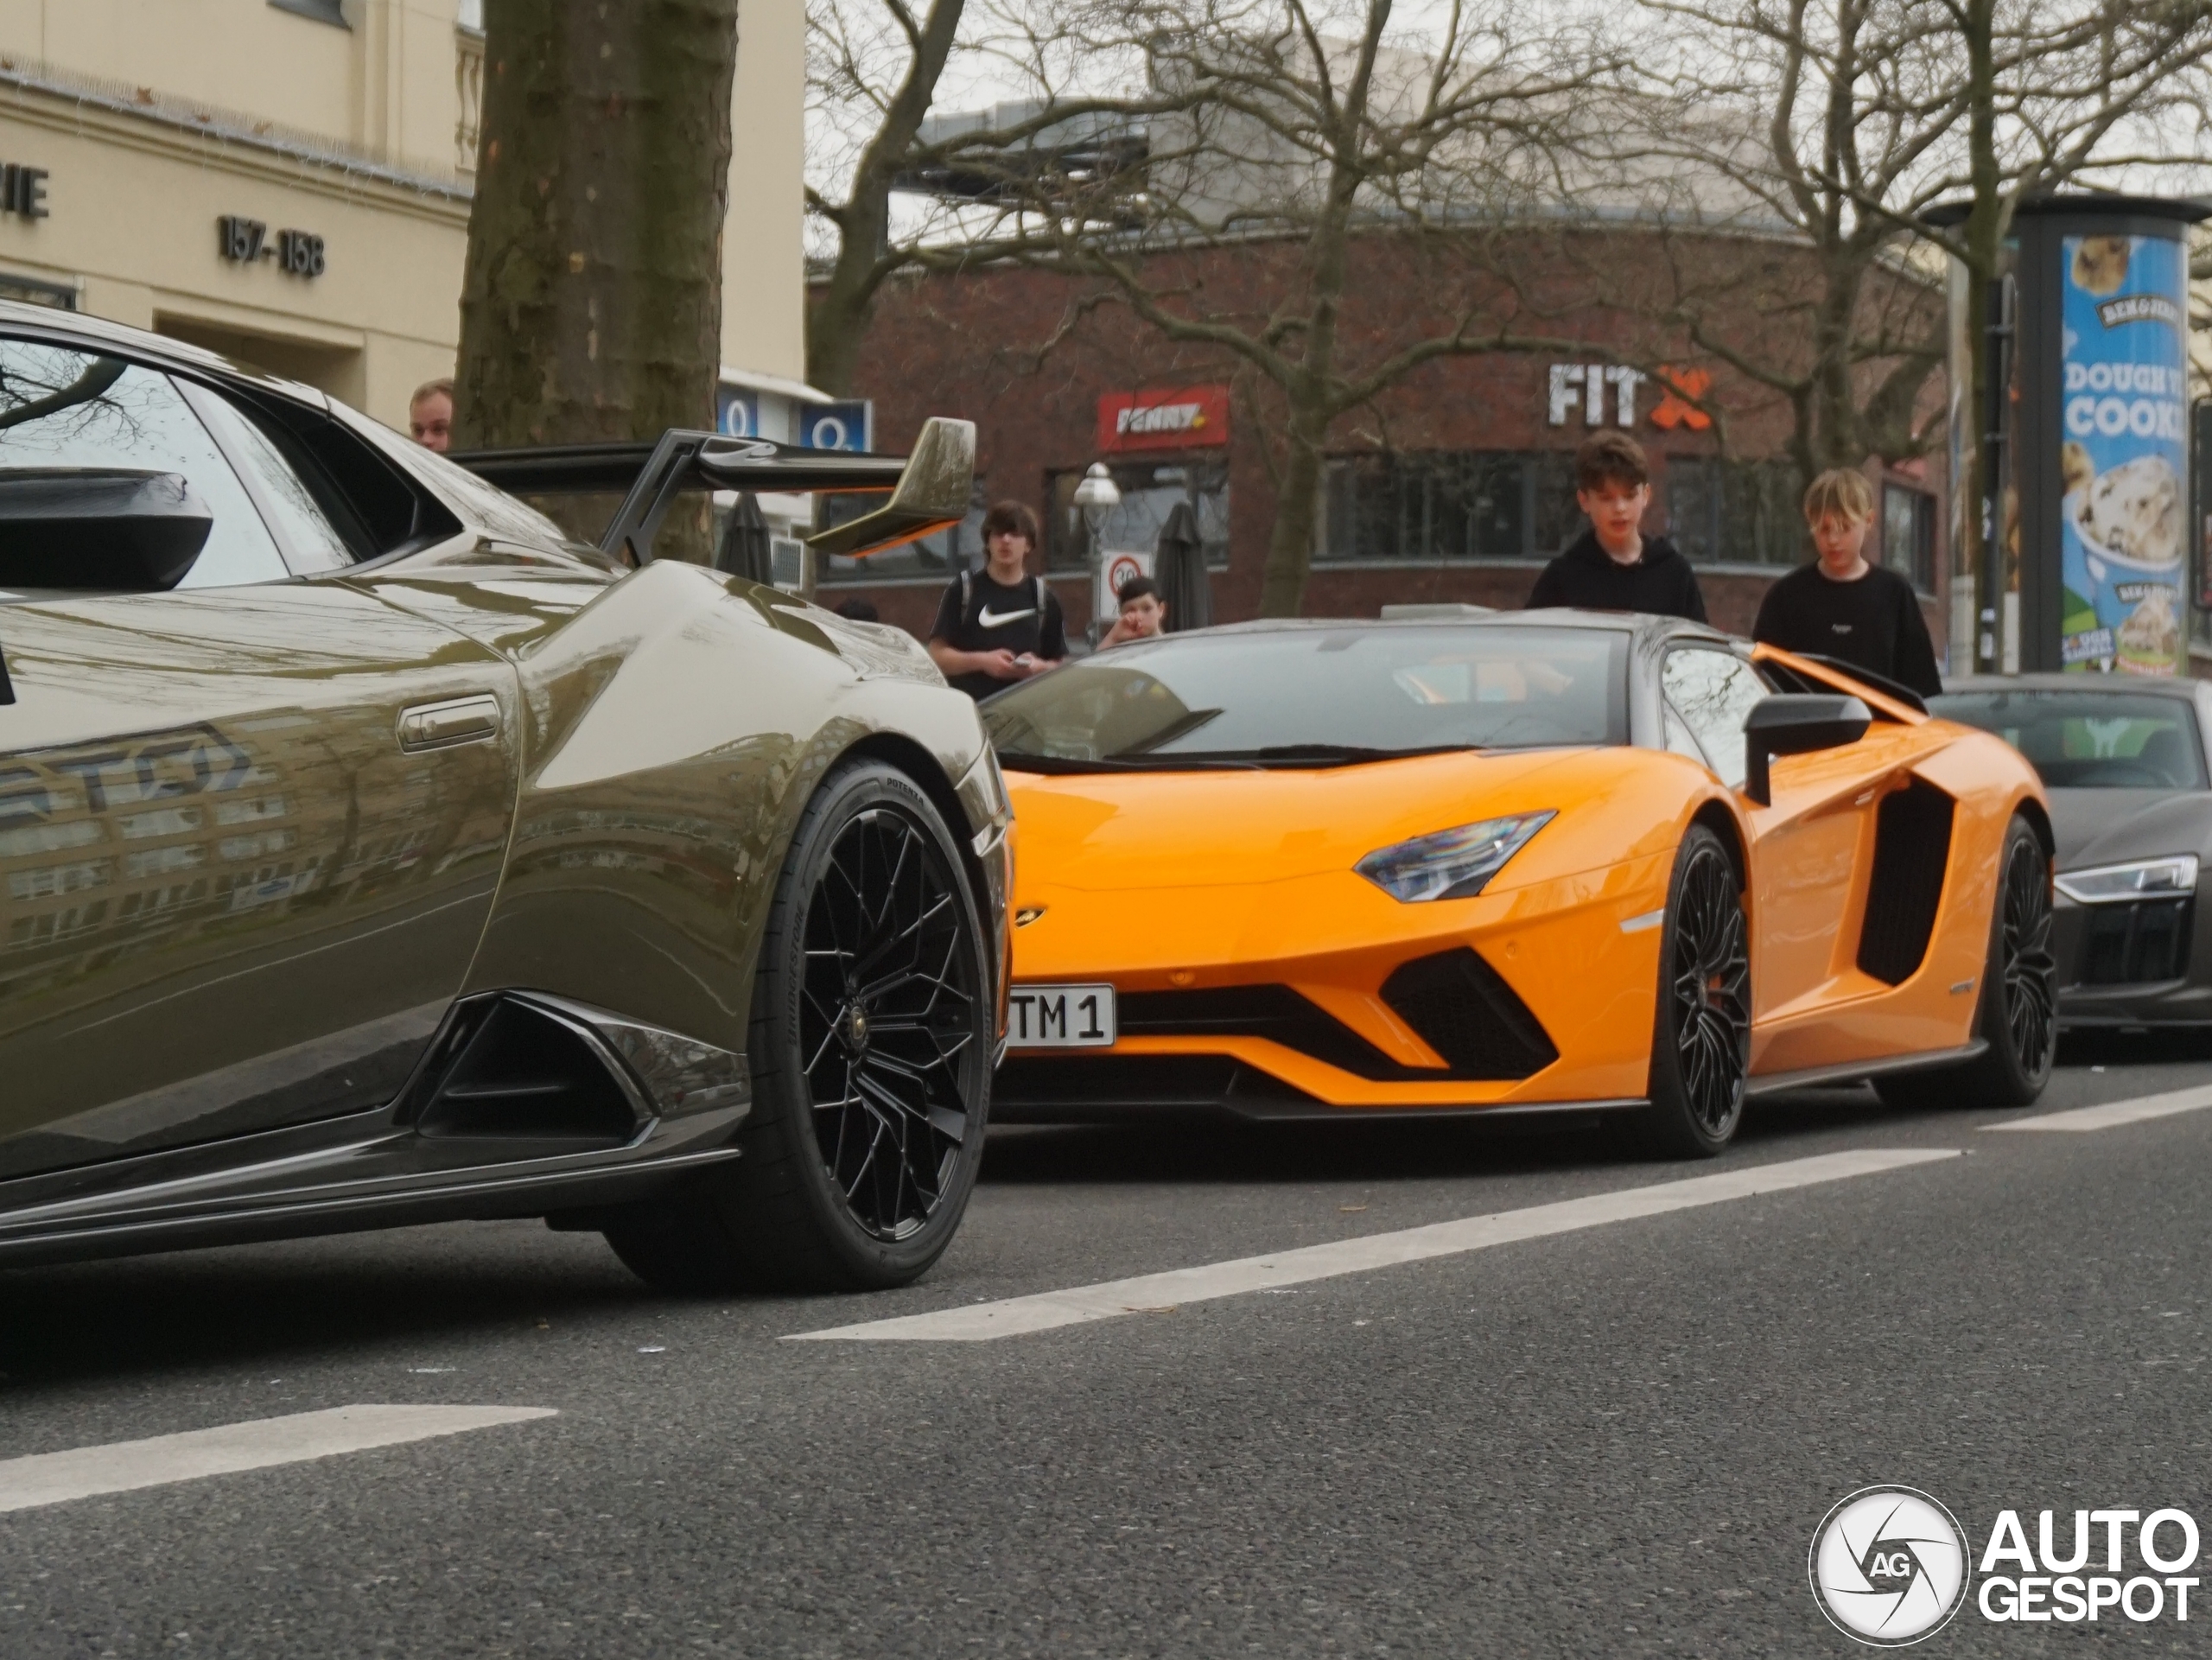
x=871, y=1053
x=2024, y=966
x=887, y=1019
x=1701, y=1039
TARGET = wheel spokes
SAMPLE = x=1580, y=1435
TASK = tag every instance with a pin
x=886, y=1021
x=1709, y=982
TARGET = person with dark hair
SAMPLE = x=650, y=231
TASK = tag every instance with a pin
x=859, y=610
x=999, y=625
x=1613, y=566
x=1144, y=613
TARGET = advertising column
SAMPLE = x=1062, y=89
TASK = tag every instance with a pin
x=2102, y=472
x=2124, y=459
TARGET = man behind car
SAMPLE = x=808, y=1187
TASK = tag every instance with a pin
x=999, y=625
x=429, y=414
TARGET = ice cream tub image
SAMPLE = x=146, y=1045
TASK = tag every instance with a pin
x=2123, y=528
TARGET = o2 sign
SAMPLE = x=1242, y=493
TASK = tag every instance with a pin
x=847, y=425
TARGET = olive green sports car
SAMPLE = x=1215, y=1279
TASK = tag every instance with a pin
x=376, y=853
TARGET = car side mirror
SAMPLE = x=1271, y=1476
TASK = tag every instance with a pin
x=1796, y=723
x=102, y=528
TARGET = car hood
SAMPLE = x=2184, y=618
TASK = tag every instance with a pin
x=2103, y=827
x=1130, y=831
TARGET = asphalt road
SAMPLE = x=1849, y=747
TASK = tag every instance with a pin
x=1617, y=1440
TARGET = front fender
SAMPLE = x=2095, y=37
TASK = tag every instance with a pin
x=676, y=728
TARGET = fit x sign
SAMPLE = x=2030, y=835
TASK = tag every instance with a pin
x=1584, y=386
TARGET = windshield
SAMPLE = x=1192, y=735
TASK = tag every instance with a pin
x=1316, y=697
x=2090, y=740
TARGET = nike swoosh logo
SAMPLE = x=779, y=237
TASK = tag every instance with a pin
x=990, y=618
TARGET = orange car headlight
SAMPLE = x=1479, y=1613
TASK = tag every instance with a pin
x=1451, y=864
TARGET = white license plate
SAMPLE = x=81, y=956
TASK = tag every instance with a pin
x=1059, y=1017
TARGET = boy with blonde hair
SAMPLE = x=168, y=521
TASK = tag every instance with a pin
x=1842, y=606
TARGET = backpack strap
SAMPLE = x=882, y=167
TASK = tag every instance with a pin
x=1039, y=581
x=967, y=593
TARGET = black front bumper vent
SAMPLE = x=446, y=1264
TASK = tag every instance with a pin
x=1454, y=999
x=2138, y=943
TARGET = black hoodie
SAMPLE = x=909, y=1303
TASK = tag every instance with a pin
x=1588, y=578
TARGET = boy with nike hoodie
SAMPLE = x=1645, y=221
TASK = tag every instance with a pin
x=999, y=625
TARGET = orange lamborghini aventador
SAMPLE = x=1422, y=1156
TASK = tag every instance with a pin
x=1530, y=862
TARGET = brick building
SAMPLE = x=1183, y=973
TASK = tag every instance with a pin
x=1455, y=484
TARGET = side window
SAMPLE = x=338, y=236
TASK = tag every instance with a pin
x=1678, y=738
x=311, y=541
x=1714, y=691
x=66, y=411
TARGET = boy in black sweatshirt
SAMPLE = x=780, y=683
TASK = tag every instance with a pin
x=1841, y=606
x=1613, y=566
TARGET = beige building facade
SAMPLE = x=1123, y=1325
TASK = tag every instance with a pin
x=288, y=181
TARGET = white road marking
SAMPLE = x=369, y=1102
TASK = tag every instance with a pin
x=1159, y=1292
x=120, y=1466
x=2110, y=1114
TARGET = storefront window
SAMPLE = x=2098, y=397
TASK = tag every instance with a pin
x=1908, y=534
x=1729, y=513
x=1450, y=505
x=1150, y=491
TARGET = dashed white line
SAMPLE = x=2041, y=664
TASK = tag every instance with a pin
x=2110, y=1114
x=1152, y=1293
x=121, y=1466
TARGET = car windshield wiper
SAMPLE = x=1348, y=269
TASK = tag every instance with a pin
x=1322, y=754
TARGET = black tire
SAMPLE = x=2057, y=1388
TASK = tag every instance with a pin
x=871, y=1053
x=1702, y=1035
x=2017, y=1016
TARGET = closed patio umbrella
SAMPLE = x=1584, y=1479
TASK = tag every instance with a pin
x=1178, y=566
x=744, y=550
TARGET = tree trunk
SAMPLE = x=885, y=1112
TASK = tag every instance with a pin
x=1983, y=233
x=1297, y=501
x=592, y=304
x=839, y=315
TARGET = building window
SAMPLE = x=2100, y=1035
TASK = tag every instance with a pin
x=1908, y=534
x=323, y=11
x=30, y=291
x=1421, y=505
x=1729, y=512
x=1150, y=491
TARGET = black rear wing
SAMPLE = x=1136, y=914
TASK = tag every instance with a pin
x=929, y=490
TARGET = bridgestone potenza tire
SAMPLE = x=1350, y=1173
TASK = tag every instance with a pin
x=871, y=1055
x=1702, y=1032
x=2017, y=1014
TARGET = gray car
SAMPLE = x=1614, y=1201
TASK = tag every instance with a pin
x=2130, y=778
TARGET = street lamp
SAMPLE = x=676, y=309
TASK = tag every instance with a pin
x=1095, y=495
x=1095, y=498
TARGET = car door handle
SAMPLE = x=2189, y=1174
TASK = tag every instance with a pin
x=462, y=720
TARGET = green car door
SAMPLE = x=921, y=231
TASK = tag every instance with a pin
x=250, y=826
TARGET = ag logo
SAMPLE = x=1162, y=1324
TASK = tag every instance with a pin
x=1889, y=1566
